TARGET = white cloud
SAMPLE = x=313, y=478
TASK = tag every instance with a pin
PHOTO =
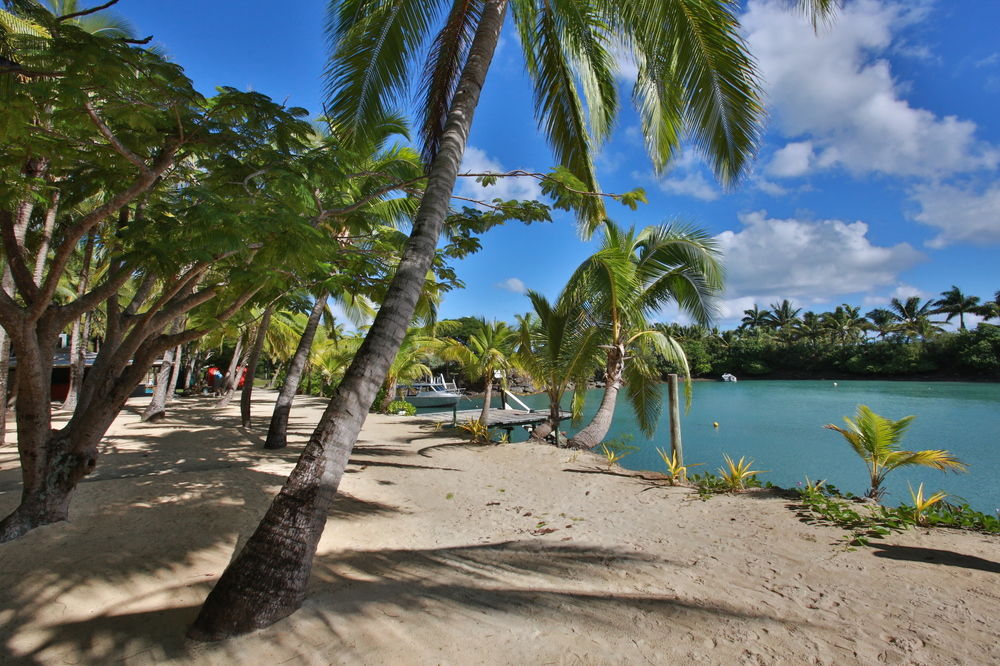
x=806, y=261
x=477, y=161
x=687, y=177
x=836, y=89
x=795, y=159
x=902, y=292
x=962, y=215
x=513, y=284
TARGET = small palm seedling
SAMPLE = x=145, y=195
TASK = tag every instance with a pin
x=616, y=449
x=737, y=475
x=876, y=439
x=921, y=504
x=675, y=469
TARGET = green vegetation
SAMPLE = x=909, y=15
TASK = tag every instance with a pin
x=903, y=340
x=616, y=449
x=676, y=472
x=876, y=440
x=400, y=406
x=737, y=475
x=867, y=520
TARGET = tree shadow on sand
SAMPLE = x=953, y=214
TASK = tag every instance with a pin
x=352, y=592
x=934, y=556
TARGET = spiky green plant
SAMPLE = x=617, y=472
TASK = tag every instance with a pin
x=676, y=470
x=736, y=475
x=921, y=504
x=876, y=440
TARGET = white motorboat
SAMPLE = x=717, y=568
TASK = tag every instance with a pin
x=728, y=377
x=433, y=393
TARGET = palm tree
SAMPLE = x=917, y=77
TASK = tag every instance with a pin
x=876, y=439
x=631, y=277
x=783, y=316
x=694, y=73
x=411, y=362
x=755, y=318
x=489, y=349
x=883, y=322
x=954, y=302
x=845, y=324
x=557, y=348
x=990, y=309
x=913, y=318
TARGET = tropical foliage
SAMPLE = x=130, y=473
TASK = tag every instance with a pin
x=876, y=440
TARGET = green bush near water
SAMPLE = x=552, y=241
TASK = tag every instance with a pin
x=397, y=406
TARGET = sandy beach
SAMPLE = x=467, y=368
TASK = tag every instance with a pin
x=442, y=553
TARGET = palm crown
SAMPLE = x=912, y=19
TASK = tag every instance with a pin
x=693, y=72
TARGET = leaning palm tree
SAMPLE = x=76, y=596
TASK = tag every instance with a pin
x=489, y=349
x=755, y=318
x=876, y=439
x=954, y=302
x=630, y=278
x=694, y=75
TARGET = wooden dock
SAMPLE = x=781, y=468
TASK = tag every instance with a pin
x=498, y=418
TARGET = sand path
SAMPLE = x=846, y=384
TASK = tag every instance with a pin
x=440, y=553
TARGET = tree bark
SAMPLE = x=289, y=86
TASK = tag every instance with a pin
x=258, y=346
x=484, y=416
x=594, y=433
x=277, y=431
x=43, y=247
x=267, y=579
x=157, y=407
x=231, y=379
x=78, y=351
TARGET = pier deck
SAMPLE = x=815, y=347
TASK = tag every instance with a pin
x=498, y=418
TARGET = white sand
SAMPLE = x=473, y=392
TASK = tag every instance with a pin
x=439, y=553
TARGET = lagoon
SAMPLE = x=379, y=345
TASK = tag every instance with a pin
x=779, y=424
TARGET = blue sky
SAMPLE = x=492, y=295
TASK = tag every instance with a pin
x=878, y=176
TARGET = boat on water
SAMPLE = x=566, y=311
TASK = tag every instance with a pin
x=433, y=393
x=728, y=377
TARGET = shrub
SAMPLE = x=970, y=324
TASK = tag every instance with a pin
x=397, y=406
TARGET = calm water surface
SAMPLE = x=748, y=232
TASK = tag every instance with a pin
x=779, y=425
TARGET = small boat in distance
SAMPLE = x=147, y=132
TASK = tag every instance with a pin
x=432, y=393
x=728, y=377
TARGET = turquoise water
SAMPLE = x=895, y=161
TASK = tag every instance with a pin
x=779, y=425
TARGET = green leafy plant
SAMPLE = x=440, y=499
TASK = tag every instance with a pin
x=708, y=484
x=397, y=406
x=616, y=449
x=735, y=475
x=675, y=470
x=876, y=440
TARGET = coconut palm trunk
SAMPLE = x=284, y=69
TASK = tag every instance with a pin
x=484, y=416
x=594, y=433
x=267, y=579
x=258, y=346
x=277, y=432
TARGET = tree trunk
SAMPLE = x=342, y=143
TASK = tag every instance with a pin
x=78, y=343
x=157, y=407
x=258, y=346
x=277, y=432
x=192, y=371
x=4, y=382
x=274, y=375
x=175, y=374
x=267, y=579
x=43, y=247
x=484, y=416
x=232, y=380
x=595, y=431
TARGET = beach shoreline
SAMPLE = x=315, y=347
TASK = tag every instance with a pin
x=441, y=552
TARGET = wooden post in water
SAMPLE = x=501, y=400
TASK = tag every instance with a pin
x=676, y=447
